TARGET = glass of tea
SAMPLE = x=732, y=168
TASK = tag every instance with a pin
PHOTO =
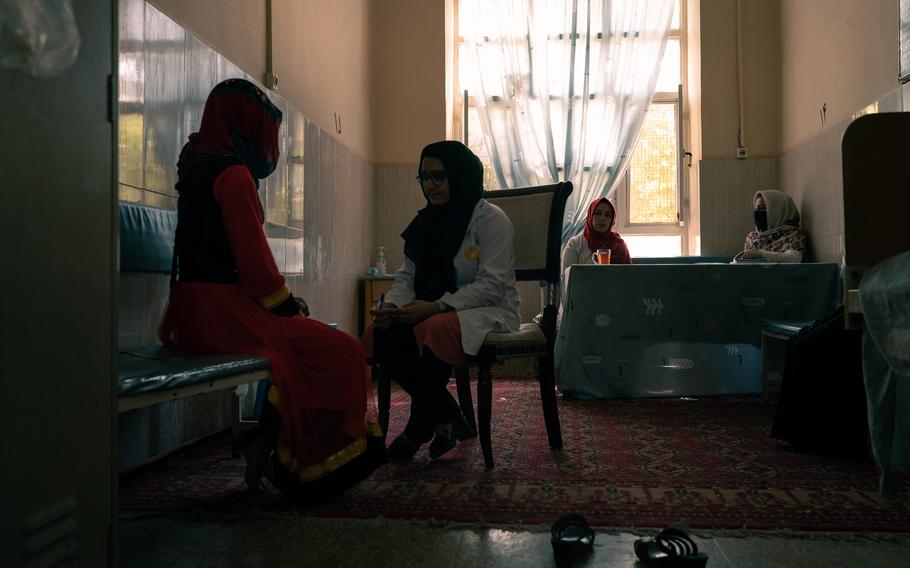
x=602, y=256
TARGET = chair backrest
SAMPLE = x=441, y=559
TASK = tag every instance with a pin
x=537, y=215
x=875, y=149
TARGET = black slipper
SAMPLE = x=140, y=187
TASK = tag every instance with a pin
x=571, y=538
x=671, y=547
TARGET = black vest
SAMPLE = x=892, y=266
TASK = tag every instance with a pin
x=202, y=251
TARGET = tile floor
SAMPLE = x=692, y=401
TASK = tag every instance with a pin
x=196, y=540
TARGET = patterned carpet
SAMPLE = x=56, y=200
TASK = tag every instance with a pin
x=625, y=463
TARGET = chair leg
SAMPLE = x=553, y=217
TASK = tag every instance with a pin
x=463, y=382
x=384, y=396
x=485, y=410
x=236, y=419
x=765, y=378
x=547, y=380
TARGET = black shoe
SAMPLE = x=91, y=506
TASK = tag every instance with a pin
x=257, y=454
x=401, y=449
x=443, y=441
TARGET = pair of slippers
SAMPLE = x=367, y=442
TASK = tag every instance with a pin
x=573, y=540
x=672, y=548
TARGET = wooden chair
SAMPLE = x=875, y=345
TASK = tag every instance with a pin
x=536, y=214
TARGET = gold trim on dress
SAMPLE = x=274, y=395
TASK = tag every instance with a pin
x=275, y=298
x=273, y=396
x=328, y=465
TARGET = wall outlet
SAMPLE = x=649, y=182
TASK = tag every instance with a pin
x=742, y=153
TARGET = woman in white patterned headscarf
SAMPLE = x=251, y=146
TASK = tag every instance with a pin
x=777, y=236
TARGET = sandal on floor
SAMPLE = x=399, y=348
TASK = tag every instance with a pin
x=671, y=547
x=571, y=538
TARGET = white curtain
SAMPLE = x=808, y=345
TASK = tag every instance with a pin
x=562, y=87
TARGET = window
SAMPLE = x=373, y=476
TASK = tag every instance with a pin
x=649, y=199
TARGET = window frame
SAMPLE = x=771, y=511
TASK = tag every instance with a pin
x=679, y=227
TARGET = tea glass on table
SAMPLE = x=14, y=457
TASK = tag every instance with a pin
x=602, y=256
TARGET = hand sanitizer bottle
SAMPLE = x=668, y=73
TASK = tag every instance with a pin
x=380, y=261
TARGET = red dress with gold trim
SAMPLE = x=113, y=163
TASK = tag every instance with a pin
x=319, y=381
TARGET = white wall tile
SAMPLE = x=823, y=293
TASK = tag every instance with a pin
x=725, y=201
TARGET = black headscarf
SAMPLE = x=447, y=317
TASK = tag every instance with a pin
x=435, y=235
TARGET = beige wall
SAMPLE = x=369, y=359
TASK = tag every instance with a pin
x=322, y=58
x=840, y=52
x=409, y=82
x=321, y=53
x=843, y=53
x=760, y=77
x=235, y=28
x=761, y=55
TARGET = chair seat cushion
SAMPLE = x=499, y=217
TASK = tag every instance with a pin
x=786, y=328
x=154, y=368
x=528, y=340
x=529, y=333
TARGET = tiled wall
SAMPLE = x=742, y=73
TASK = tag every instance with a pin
x=725, y=200
x=319, y=205
x=812, y=175
x=319, y=202
x=398, y=198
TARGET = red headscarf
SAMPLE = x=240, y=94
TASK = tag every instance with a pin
x=238, y=120
x=608, y=240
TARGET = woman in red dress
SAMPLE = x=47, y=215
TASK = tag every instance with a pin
x=228, y=296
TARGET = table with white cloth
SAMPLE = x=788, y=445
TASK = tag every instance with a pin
x=680, y=330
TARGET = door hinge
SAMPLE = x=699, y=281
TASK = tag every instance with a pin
x=110, y=99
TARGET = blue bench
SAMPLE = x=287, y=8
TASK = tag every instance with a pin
x=151, y=374
x=776, y=330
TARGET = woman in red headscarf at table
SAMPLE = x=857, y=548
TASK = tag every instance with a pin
x=227, y=296
x=597, y=236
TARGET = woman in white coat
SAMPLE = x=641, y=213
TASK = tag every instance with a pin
x=456, y=285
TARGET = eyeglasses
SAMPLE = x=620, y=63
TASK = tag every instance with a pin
x=438, y=177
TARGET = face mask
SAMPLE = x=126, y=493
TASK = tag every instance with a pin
x=761, y=219
x=247, y=153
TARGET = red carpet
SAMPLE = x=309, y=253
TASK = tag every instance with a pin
x=626, y=463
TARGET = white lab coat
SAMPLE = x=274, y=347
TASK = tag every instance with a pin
x=576, y=251
x=486, y=299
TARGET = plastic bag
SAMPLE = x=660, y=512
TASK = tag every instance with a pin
x=39, y=37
